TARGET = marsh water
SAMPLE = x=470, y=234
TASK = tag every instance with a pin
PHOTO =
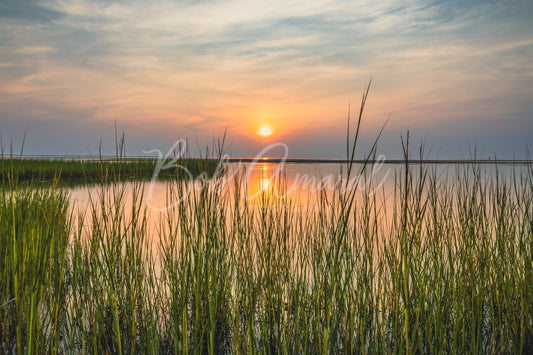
x=301, y=188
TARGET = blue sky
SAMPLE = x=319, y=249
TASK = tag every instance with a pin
x=457, y=74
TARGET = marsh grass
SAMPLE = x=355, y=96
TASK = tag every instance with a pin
x=440, y=264
x=62, y=172
x=34, y=235
x=447, y=266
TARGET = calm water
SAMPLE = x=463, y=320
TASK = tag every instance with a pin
x=303, y=188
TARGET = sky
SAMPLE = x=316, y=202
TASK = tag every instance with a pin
x=458, y=75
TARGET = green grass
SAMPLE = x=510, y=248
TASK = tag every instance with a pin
x=34, y=235
x=46, y=172
x=446, y=268
x=451, y=271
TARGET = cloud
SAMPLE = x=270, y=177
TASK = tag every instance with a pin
x=207, y=66
x=26, y=11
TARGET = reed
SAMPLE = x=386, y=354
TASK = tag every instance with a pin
x=34, y=237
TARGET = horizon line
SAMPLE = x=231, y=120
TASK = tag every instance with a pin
x=276, y=160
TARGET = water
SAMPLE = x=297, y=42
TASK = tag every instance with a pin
x=301, y=183
x=300, y=188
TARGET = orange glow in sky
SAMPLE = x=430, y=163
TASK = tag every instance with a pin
x=265, y=131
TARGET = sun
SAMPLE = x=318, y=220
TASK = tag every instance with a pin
x=265, y=131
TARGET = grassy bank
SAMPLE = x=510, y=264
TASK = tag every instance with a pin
x=26, y=171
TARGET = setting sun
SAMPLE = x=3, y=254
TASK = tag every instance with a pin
x=265, y=131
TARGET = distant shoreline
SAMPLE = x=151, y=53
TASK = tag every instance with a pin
x=386, y=161
x=288, y=160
